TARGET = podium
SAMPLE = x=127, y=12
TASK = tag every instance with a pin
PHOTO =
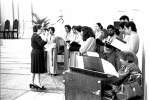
x=82, y=84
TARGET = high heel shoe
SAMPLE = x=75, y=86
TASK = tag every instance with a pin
x=32, y=86
x=40, y=87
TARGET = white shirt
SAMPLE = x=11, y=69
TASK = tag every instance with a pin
x=99, y=35
x=88, y=45
x=132, y=42
x=68, y=36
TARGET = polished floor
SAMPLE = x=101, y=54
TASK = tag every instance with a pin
x=15, y=74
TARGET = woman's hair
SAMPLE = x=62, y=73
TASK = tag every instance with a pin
x=78, y=28
x=87, y=32
x=52, y=28
x=132, y=25
x=124, y=17
x=69, y=27
x=122, y=24
x=73, y=27
x=100, y=25
x=129, y=56
x=36, y=27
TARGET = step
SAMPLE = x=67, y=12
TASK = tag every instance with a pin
x=15, y=54
x=15, y=65
x=16, y=49
x=15, y=42
x=15, y=60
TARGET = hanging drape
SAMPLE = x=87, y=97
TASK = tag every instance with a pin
x=17, y=9
x=23, y=9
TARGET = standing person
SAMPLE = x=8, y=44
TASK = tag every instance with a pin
x=68, y=35
x=89, y=42
x=109, y=54
x=124, y=18
x=132, y=40
x=77, y=34
x=37, y=57
x=74, y=44
x=51, y=47
x=121, y=28
x=99, y=34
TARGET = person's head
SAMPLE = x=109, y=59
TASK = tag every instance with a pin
x=116, y=31
x=67, y=28
x=127, y=57
x=36, y=27
x=51, y=30
x=124, y=18
x=87, y=32
x=105, y=33
x=110, y=29
x=78, y=29
x=121, y=27
x=129, y=27
x=98, y=26
x=74, y=29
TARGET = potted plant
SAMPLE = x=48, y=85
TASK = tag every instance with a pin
x=36, y=20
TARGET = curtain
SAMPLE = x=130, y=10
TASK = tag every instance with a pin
x=17, y=9
x=23, y=9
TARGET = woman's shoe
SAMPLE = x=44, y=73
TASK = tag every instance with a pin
x=40, y=87
x=32, y=86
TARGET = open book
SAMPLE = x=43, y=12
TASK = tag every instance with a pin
x=119, y=44
x=49, y=47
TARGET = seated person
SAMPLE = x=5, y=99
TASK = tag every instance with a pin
x=129, y=72
x=89, y=42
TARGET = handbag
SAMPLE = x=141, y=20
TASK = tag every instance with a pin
x=74, y=46
x=128, y=91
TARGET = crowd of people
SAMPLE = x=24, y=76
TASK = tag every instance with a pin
x=84, y=38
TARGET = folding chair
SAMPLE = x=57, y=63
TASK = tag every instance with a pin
x=6, y=30
x=15, y=28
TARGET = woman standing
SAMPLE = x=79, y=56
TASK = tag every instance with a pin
x=89, y=42
x=51, y=47
x=37, y=57
x=99, y=34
